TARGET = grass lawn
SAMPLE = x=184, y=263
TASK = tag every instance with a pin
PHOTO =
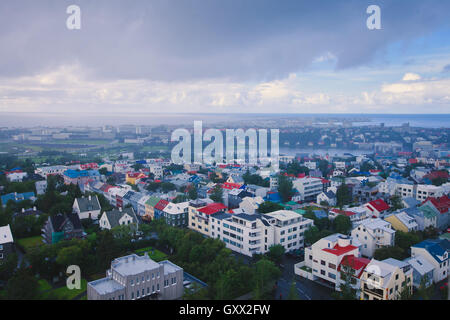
x=63, y=293
x=44, y=285
x=31, y=242
x=153, y=254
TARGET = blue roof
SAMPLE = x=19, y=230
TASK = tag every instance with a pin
x=273, y=197
x=436, y=247
x=73, y=174
x=141, y=162
x=17, y=197
x=320, y=214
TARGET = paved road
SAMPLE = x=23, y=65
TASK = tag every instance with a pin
x=307, y=289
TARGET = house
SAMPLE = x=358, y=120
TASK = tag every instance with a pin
x=6, y=243
x=436, y=252
x=373, y=234
x=377, y=208
x=308, y=187
x=401, y=221
x=176, y=214
x=235, y=197
x=199, y=213
x=441, y=206
x=385, y=280
x=235, y=178
x=422, y=271
x=80, y=176
x=27, y=212
x=150, y=208
x=132, y=177
x=136, y=277
x=62, y=227
x=329, y=197
x=41, y=187
x=87, y=207
x=17, y=197
x=159, y=208
x=324, y=257
x=353, y=267
x=118, y=217
x=410, y=202
x=354, y=216
x=16, y=176
x=250, y=205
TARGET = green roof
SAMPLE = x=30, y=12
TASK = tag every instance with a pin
x=428, y=212
x=445, y=236
x=300, y=211
x=152, y=201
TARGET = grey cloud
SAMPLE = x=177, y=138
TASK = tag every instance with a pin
x=190, y=39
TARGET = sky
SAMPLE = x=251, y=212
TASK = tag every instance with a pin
x=225, y=56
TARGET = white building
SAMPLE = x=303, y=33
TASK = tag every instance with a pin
x=435, y=252
x=87, y=207
x=250, y=205
x=373, y=234
x=308, y=187
x=325, y=256
x=254, y=233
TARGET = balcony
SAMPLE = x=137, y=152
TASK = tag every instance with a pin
x=373, y=291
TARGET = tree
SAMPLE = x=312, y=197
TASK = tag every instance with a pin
x=293, y=294
x=193, y=193
x=285, y=188
x=8, y=266
x=265, y=271
x=268, y=206
x=69, y=256
x=276, y=253
x=389, y=252
x=22, y=286
x=396, y=202
x=217, y=194
x=342, y=224
x=347, y=292
x=343, y=195
x=103, y=171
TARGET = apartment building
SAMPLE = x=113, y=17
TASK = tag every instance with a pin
x=385, y=280
x=373, y=234
x=136, y=277
x=199, y=213
x=308, y=187
x=176, y=214
x=324, y=258
x=251, y=234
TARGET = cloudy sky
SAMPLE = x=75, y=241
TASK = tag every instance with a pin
x=218, y=56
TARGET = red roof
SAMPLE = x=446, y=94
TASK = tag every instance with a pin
x=212, y=208
x=437, y=174
x=136, y=175
x=231, y=186
x=338, y=250
x=355, y=263
x=442, y=204
x=324, y=180
x=380, y=205
x=343, y=212
x=411, y=161
x=161, y=204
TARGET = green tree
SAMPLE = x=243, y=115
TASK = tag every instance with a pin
x=343, y=195
x=390, y=252
x=193, y=193
x=276, y=253
x=8, y=266
x=396, y=202
x=265, y=273
x=342, y=224
x=69, y=256
x=217, y=194
x=285, y=188
x=22, y=286
x=268, y=206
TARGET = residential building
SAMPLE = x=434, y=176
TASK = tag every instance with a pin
x=373, y=234
x=199, y=213
x=308, y=187
x=6, y=243
x=80, y=176
x=422, y=271
x=118, y=217
x=176, y=214
x=250, y=205
x=150, y=208
x=385, y=280
x=329, y=197
x=17, y=197
x=87, y=207
x=436, y=252
x=62, y=227
x=136, y=277
x=401, y=221
x=377, y=208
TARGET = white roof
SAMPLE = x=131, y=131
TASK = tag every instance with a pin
x=6, y=235
x=407, y=220
x=283, y=215
x=420, y=264
x=377, y=223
